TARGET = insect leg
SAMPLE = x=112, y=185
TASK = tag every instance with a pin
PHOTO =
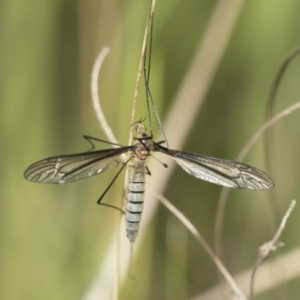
x=91, y=138
x=112, y=182
x=149, y=97
x=148, y=171
x=112, y=206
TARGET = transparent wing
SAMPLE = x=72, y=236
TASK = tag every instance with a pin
x=73, y=167
x=224, y=172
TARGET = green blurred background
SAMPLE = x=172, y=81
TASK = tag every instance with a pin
x=52, y=238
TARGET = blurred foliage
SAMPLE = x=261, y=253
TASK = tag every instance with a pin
x=53, y=237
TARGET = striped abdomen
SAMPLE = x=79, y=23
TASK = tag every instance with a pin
x=135, y=198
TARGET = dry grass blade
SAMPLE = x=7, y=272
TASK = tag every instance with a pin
x=222, y=202
x=185, y=221
x=96, y=290
x=278, y=78
x=96, y=98
x=264, y=281
x=266, y=249
x=267, y=125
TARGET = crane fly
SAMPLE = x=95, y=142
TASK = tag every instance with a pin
x=73, y=167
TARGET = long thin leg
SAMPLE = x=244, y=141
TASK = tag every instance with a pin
x=112, y=206
x=147, y=87
x=112, y=182
x=148, y=171
x=147, y=75
x=90, y=138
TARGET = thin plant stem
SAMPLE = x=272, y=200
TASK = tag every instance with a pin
x=266, y=249
x=185, y=221
x=222, y=202
x=288, y=261
x=278, y=78
x=96, y=98
x=271, y=121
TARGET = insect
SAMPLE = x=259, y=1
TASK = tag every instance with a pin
x=73, y=167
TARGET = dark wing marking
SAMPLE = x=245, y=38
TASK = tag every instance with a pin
x=73, y=167
x=224, y=172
